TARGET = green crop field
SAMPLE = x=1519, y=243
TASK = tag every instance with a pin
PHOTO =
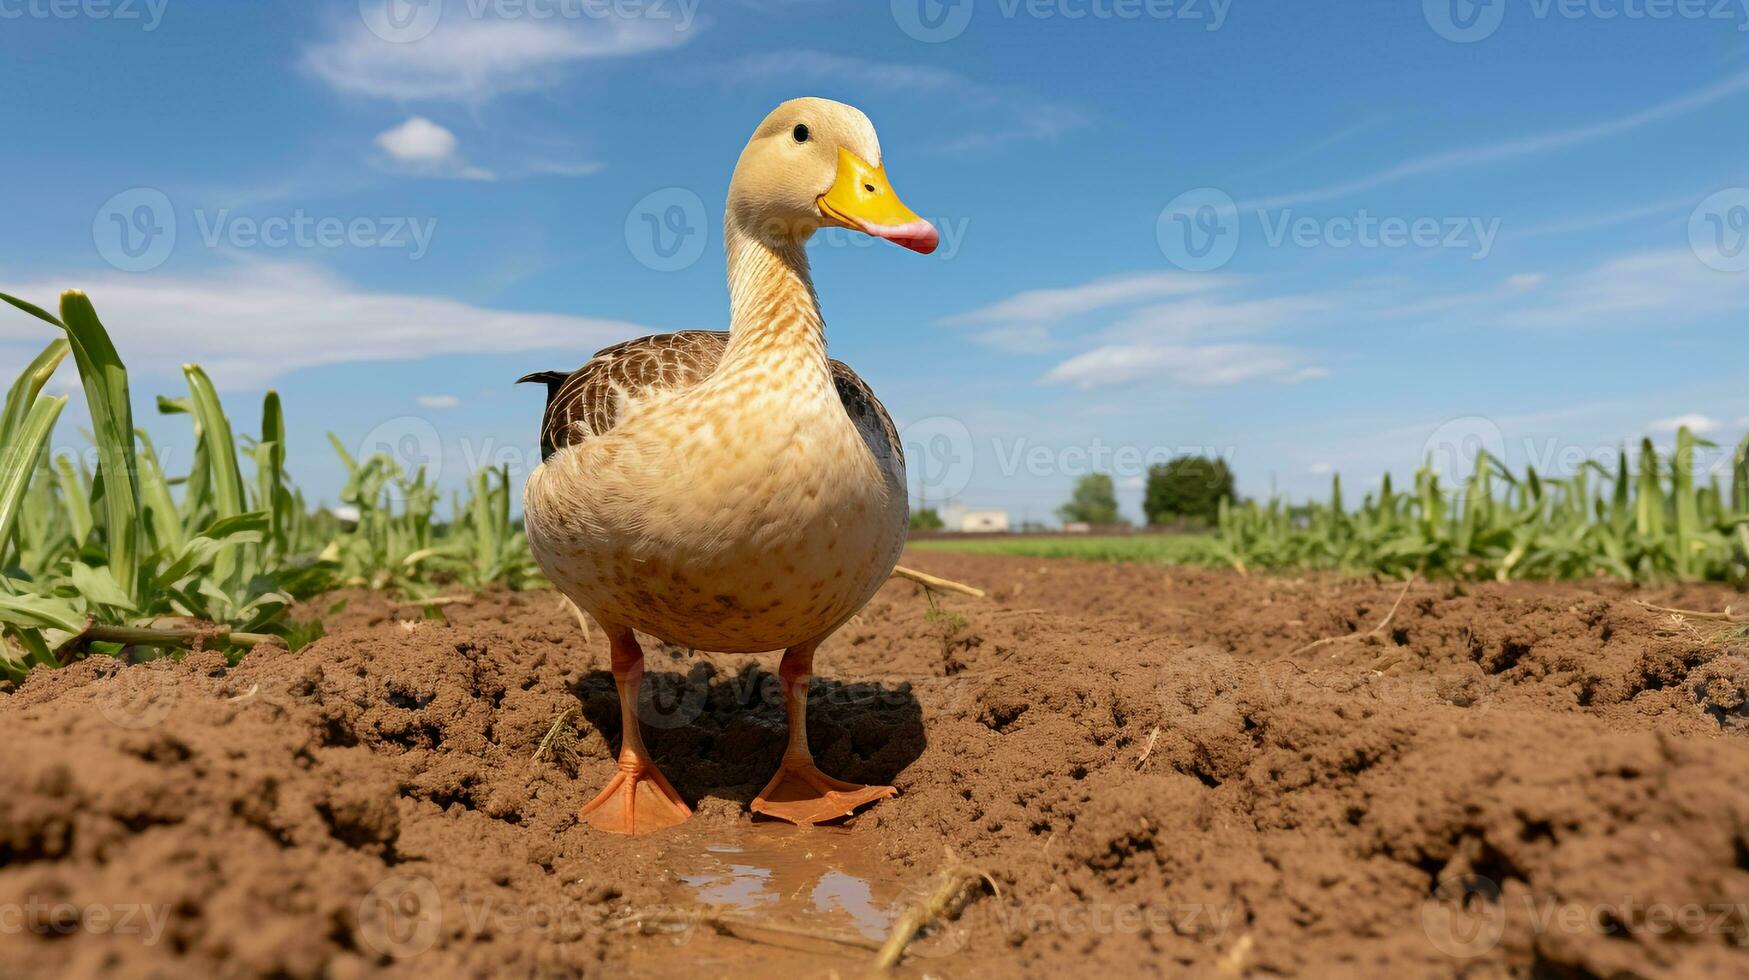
x=125, y=553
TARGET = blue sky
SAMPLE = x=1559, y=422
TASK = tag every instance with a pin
x=1309, y=237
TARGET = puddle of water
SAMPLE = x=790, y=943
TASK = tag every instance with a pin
x=822, y=878
x=826, y=881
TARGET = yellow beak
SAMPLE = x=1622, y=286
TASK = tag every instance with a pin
x=862, y=200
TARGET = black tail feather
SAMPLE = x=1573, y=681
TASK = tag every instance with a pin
x=554, y=380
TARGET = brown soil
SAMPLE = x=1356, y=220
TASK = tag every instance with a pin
x=1156, y=773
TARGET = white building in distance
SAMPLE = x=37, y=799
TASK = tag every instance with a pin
x=957, y=518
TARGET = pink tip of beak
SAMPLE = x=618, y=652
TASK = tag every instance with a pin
x=918, y=236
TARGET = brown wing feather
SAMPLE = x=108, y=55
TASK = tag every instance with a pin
x=587, y=402
x=867, y=412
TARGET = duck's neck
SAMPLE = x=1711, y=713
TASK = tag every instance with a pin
x=774, y=316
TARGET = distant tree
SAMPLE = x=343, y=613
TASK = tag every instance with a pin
x=1093, y=502
x=926, y=519
x=1187, y=488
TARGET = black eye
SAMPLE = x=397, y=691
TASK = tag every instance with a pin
x=801, y=133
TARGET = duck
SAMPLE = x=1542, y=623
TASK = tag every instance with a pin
x=738, y=491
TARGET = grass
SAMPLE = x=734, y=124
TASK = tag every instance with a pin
x=1159, y=549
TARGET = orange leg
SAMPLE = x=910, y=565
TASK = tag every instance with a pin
x=799, y=792
x=638, y=799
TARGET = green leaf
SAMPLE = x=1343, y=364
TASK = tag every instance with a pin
x=112, y=415
x=18, y=463
x=29, y=384
x=41, y=612
x=99, y=586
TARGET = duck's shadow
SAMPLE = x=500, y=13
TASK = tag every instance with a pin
x=720, y=734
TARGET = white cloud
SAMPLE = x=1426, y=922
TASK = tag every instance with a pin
x=1050, y=305
x=472, y=60
x=1465, y=158
x=418, y=140
x=438, y=401
x=1525, y=281
x=1700, y=425
x=425, y=148
x=1208, y=365
x=260, y=320
x=1322, y=469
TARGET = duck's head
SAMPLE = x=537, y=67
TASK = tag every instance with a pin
x=815, y=163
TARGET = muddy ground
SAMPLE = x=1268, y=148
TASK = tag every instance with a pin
x=1160, y=770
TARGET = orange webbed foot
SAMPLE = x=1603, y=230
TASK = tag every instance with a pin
x=638, y=800
x=802, y=794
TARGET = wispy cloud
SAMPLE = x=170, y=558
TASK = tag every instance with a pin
x=1005, y=115
x=1467, y=157
x=1669, y=207
x=1187, y=341
x=1208, y=365
x=1699, y=424
x=438, y=401
x=1051, y=305
x=1645, y=288
x=472, y=60
x=1310, y=150
x=298, y=317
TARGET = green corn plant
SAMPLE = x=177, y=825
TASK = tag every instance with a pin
x=1648, y=519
